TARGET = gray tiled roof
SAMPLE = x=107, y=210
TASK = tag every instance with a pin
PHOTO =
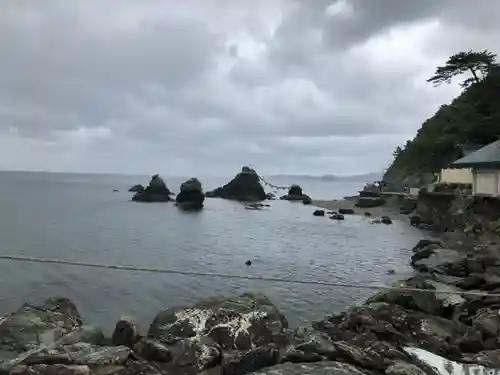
x=489, y=155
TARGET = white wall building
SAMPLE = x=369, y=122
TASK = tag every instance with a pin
x=485, y=166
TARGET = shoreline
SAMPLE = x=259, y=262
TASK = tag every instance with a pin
x=375, y=212
x=246, y=333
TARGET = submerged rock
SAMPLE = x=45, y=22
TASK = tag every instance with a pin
x=295, y=193
x=191, y=196
x=346, y=211
x=319, y=213
x=156, y=191
x=136, y=188
x=245, y=186
x=337, y=217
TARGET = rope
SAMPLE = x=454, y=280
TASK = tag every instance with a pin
x=240, y=277
x=273, y=186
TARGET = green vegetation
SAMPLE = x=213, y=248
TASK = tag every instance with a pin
x=472, y=118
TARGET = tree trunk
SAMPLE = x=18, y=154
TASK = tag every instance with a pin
x=474, y=74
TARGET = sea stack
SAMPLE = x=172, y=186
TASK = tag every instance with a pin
x=245, y=186
x=156, y=191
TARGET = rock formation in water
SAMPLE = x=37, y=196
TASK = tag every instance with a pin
x=191, y=196
x=156, y=191
x=136, y=188
x=295, y=193
x=245, y=186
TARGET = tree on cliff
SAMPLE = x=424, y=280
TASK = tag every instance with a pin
x=473, y=118
x=479, y=64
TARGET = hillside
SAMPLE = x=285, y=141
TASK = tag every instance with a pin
x=472, y=118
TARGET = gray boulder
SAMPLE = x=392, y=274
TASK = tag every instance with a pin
x=320, y=368
x=439, y=303
x=443, y=261
x=199, y=336
x=35, y=325
x=374, y=335
x=125, y=332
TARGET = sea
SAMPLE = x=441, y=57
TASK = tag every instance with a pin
x=79, y=217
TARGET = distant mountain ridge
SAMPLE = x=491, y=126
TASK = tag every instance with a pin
x=366, y=177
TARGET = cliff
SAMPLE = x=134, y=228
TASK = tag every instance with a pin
x=471, y=118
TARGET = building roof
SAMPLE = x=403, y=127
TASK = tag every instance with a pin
x=488, y=156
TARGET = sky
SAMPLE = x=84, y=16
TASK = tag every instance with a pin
x=204, y=87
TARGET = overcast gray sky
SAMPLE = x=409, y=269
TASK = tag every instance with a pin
x=206, y=86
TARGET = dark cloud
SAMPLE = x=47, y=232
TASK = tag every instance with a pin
x=204, y=87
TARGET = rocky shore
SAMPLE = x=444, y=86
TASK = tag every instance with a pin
x=393, y=332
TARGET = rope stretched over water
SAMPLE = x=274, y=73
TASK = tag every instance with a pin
x=240, y=277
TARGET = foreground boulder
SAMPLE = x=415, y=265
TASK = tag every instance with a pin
x=49, y=338
x=137, y=188
x=191, y=196
x=374, y=336
x=440, y=303
x=245, y=186
x=295, y=193
x=321, y=368
x=156, y=191
x=243, y=330
x=437, y=260
x=31, y=325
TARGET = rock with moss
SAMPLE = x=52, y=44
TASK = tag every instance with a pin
x=156, y=191
x=34, y=325
x=191, y=196
x=245, y=186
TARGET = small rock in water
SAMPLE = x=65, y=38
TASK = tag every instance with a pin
x=337, y=217
x=248, y=262
x=115, y=190
x=319, y=213
x=385, y=220
x=391, y=272
x=368, y=213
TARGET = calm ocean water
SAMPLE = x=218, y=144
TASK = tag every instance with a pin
x=79, y=218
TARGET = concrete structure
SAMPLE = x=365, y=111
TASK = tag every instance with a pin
x=485, y=165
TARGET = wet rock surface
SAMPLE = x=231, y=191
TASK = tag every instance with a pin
x=403, y=330
x=245, y=186
x=156, y=191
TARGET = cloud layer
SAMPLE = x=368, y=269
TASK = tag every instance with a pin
x=203, y=87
